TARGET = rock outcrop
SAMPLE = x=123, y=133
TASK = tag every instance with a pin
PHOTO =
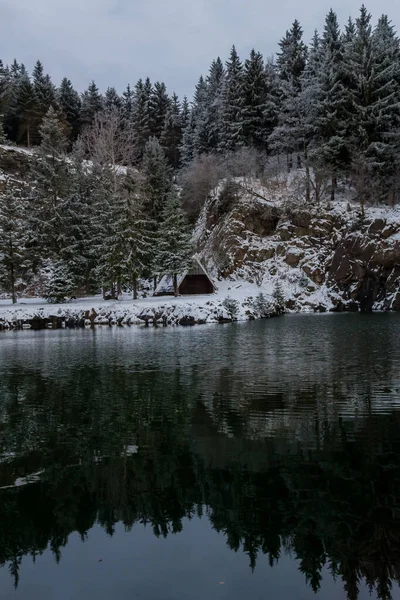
x=327, y=257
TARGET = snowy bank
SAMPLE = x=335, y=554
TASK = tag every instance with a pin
x=233, y=302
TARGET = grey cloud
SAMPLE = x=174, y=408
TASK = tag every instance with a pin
x=118, y=41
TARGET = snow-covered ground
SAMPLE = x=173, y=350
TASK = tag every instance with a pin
x=201, y=309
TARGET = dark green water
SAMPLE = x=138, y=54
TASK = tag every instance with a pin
x=256, y=461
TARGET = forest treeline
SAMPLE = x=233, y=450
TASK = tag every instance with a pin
x=331, y=108
x=333, y=104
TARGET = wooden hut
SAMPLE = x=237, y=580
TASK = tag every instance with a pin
x=194, y=280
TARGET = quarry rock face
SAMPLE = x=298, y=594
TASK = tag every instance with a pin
x=326, y=257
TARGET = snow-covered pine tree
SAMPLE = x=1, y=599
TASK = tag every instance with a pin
x=92, y=103
x=199, y=112
x=254, y=101
x=232, y=136
x=112, y=101
x=13, y=239
x=157, y=180
x=45, y=96
x=171, y=136
x=5, y=92
x=9, y=99
x=133, y=242
x=104, y=195
x=77, y=235
x=213, y=108
x=349, y=32
x=187, y=148
x=292, y=58
x=70, y=106
x=25, y=109
x=288, y=136
x=52, y=181
x=372, y=67
x=382, y=154
x=159, y=106
x=142, y=116
x=60, y=283
x=174, y=247
x=185, y=112
x=127, y=103
x=332, y=104
x=273, y=101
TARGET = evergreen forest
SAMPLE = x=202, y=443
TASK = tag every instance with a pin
x=115, y=186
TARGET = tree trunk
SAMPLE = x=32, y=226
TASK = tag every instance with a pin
x=113, y=291
x=119, y=288
x=308, y=185
x=135, y=288
x=333, y=188
x=12, y=278
x=298, y=161
x=175, y=280
x=155, y=283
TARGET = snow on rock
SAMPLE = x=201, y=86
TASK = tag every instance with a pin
x=325, y=256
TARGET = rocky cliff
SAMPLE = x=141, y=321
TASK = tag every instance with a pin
x=326, y=255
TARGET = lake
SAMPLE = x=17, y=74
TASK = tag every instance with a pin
x=255, y=460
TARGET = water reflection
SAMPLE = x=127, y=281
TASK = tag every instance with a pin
x=284, y=435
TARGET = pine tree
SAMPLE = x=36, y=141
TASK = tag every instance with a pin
x=333, y=104
x=159, y=106
x=5, y=89
x=187, y=148
x=174, y=249
x=142, y=115
x=254, y=105
x=185, y=112
x=104, y=194
x=70, y=106
x=372, y=67
x=13, y=239
x=171, y=136
x=157, y=179
x=112, y=100
x=289, y=135
x=60, y=283
x=133, y=237
x=292, y=58
x=200, y=115
x=273, y=101
x=127, y=104
x=9, y=85
x=77, y=234
x=92, y=103
x=45, y=96
x=232, y=135
x=52, y=183
x=25, y=109
x=213, y=106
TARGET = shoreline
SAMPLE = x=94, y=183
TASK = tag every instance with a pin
x=83, y=313
x=156, y=312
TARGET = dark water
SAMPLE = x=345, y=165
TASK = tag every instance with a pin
x=253, y=461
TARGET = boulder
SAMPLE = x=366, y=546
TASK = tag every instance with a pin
x=294, y=256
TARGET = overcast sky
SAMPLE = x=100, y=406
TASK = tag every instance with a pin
x=117, y=41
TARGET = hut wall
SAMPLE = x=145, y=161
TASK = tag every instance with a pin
x=196, y=284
